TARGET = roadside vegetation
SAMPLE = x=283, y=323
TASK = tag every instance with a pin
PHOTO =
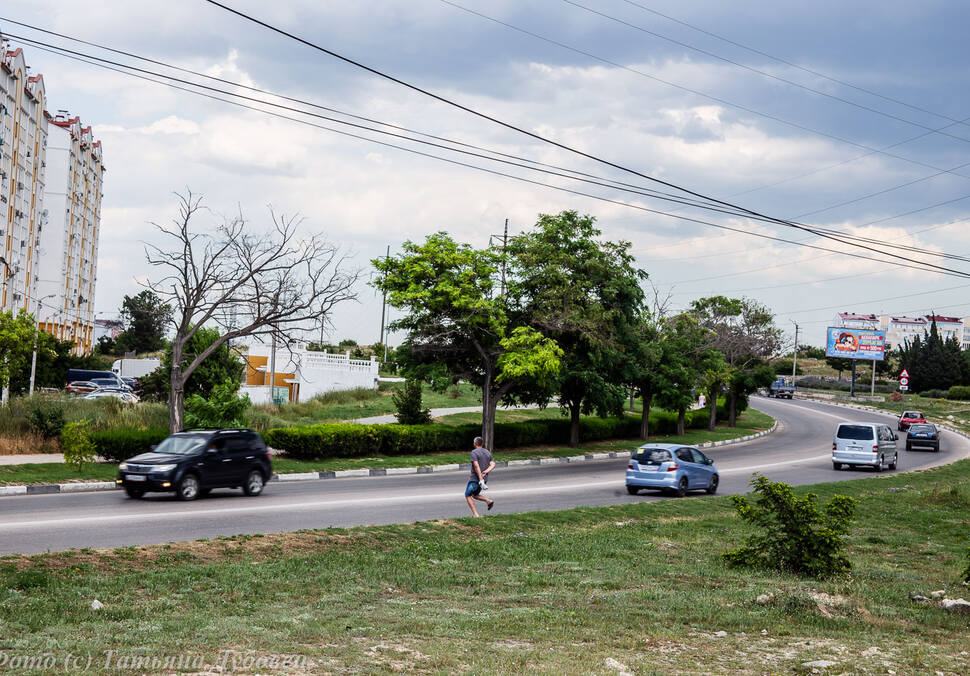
x=640, y=588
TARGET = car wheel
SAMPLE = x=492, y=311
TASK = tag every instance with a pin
x=134, y=493
x=712, y=489
x=203, y=492
x=895, y=461
x=633, y=490
x=879, y=464
x=681, y=488
x=909, y=447
x=188, y=488
x=837, y=465
x=254, y=483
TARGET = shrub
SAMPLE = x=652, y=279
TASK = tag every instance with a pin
x=118, y=445
x=223, y=408
x=959, y=393
x=966, y=571
x=797, y=537
x=76, y=444
x=933, y=394
x=47, y=421
x=408, y=404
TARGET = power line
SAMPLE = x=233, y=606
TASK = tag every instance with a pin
x=534, y=135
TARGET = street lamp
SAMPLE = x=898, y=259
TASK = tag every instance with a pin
x=8, y=272
x=33, y=360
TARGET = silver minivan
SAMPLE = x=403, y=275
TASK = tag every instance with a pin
x=866, y=444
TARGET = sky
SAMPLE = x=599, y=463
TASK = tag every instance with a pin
x=845, y=116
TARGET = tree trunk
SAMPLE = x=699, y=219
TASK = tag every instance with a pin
x=176, y=395
x=574, y=410
x=732, y=408
x=681, y=415
x=712, y=402
x=645, y=415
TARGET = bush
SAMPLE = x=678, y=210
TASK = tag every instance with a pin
x=76, y=444
x=223, y=408
x=959, y=393
x=347, y=440
x=796, y=536
x=47, y=421
x=408, y=404
x=118, y=445
x=933, y=394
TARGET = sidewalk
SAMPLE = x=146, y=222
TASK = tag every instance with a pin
x=34, y=459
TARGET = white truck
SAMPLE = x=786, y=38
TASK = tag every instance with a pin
x=134, y=368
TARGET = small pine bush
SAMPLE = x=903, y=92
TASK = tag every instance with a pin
x=408, y=404
x=796, y=536
x=76, y=444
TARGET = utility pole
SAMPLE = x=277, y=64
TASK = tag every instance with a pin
x=794, y=353
x=272, y=369
x=505, y=242
x=33, y=359
x=384, y=304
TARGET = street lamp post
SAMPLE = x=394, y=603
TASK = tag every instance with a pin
x=33, y=359
x=8, y=272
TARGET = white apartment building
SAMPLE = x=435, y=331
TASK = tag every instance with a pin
x=901, y=329
x=69, y=243
x=23, y=140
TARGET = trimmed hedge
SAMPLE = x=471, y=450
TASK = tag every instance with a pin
x=959, y=393
x=347, y=440
x=121, y=444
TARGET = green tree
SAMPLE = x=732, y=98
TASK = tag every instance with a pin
x=839, y=364
x=145, y=317
x=686, y=344
x=459, y=328
x=645, y=347
x=16, y=345
x=222, y=408
x=585, y=294
x=222, y=366
x=407, y=401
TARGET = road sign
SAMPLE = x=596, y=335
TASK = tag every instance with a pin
x=904, y=374
x=904, y=381
x=904, y=387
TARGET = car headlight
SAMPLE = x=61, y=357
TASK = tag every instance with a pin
x=163, y=468
x=123, y=467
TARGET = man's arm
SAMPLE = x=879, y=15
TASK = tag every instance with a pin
x=478, y=470
x=491, y=466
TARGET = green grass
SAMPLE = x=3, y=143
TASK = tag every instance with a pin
x=935, y=410
x=749, y=422
x=580, y=591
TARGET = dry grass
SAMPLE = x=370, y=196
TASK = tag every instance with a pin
x=27, y=443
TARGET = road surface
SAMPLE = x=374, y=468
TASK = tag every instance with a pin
x=798, y=453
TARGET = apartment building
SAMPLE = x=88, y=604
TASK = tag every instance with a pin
x=23, y=141
x=901, y=329
x=75, y=171
x=51, y=172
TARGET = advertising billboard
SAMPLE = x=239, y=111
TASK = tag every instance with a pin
x=866, y=344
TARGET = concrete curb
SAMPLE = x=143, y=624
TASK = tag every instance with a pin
x=93, y=486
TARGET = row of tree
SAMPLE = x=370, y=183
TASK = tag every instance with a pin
x=932, y=362
x=559, y=315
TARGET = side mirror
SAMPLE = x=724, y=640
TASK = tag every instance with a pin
x=153, y=447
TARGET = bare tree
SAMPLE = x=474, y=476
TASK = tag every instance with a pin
x=248, y=284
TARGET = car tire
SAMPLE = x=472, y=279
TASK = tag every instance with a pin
x=204, y=492
x=836, y=466
x=681, y=490
x=633, y=490
x=188, y=487
x=254, y=483
x=712, y=489
x=895, y=461
x=909, y=447
x=879, y=464
x=134, y=493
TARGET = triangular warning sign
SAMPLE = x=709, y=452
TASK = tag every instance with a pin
x=904, y=374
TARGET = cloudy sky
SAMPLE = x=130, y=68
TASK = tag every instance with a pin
x=845, y=116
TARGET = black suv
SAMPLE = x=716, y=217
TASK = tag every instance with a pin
x=193, y=463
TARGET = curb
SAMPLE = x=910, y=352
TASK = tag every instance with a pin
x=93, y=486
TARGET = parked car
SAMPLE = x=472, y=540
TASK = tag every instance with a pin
x=192, y=463
x=124, y=395
x=88, y=374
x=923, y=435
x=864, y=444
x=111, y=384
x=81, y=387
x=910, y=418
x=671, y=468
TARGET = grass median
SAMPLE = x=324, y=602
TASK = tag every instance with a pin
x=750, y=422
x=638, y=587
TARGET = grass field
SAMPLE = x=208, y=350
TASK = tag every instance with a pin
x=43, y=473
x=637, y=588
x=943, y=411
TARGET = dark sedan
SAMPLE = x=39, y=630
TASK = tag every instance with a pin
x=923, y=435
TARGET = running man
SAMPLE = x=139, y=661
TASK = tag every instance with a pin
x=482, y=464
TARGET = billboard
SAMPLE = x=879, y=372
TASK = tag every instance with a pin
x=855, y=343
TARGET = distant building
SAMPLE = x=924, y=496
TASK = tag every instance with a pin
x=51, y=172
x=23, y=140
x=301, y=374
x=902, y=329
x=107, y=328
x=75, y=170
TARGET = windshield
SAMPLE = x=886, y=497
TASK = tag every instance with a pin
x=653, y=456
x=855, y=432
x=182, y=444
x=912, y=414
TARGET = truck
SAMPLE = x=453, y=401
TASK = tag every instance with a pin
x=782, y=388
x=134, y=368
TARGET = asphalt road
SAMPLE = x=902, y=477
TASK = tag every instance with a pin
x=798, y=452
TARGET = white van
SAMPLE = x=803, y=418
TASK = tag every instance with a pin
x=864, y=443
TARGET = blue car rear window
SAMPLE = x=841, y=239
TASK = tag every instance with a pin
x=652, y=456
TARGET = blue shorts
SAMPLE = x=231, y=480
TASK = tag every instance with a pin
x=473, y=488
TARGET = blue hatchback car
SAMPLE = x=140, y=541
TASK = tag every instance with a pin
x=672, y=468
